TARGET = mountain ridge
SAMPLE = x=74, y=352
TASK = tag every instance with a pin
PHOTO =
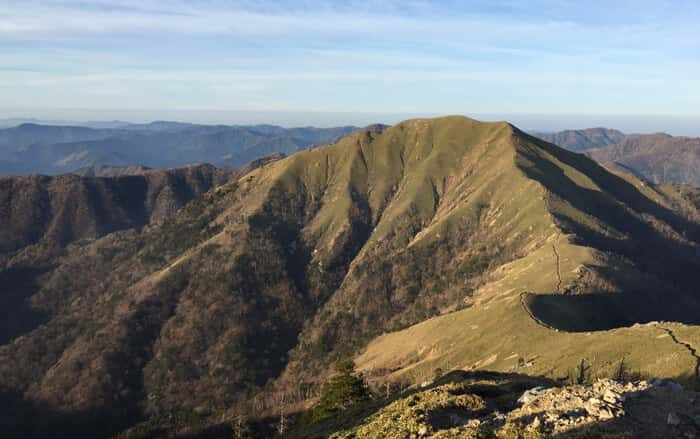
x=38, y=149
x=431, y=223
x=583, y=139
x=659, y=158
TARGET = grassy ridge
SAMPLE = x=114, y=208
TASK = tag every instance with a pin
x=419, y=240
x=609, y=233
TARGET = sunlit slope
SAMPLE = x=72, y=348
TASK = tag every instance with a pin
x=432, y=172
x=498, y=333
x=440, y=204
x=611, y=235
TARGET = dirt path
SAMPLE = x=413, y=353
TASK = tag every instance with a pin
x=532, y=316
x=688, y=347
x=556, y=257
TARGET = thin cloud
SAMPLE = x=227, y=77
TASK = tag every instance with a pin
x=379, y=21
x=388, y=54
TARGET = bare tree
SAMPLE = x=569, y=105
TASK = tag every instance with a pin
x=584, y=373
x=240, y=427
x=282, y=425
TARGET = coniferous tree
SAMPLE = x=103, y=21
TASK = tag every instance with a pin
x=344, y=390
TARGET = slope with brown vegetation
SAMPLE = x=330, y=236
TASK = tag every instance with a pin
x=110, y=171
x=659, y=158
x=242, y=299
x=65, y=208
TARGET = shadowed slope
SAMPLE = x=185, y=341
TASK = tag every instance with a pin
x=59, y=210
x=659, y=158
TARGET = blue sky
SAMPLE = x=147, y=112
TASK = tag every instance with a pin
x=219, y=60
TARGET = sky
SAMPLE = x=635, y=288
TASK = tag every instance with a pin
x=547, y=63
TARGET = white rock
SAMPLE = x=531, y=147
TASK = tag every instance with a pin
x=673, y=419
x=422, y=430
x=530, y=394
x=613, y=397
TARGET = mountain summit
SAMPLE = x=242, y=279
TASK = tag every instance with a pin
x=442, y=242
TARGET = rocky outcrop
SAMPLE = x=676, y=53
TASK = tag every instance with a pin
x=658, y=408
x=566, y=407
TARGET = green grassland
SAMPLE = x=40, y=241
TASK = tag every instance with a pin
x=586, y=271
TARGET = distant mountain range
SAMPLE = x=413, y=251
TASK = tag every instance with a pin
x=115, y=148
x=52, y=149
x=659, y=158
x=581, y=140
x=16, y=121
